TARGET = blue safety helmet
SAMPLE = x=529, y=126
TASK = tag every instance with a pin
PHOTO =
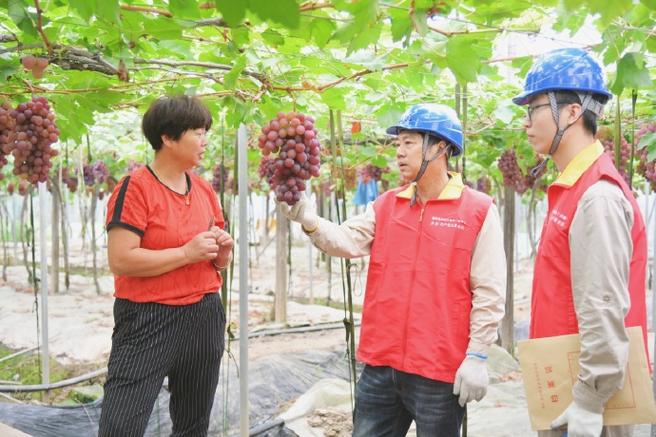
x=434, y=119
x=564, y=69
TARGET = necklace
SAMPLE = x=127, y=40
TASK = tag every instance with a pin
x=187, y=181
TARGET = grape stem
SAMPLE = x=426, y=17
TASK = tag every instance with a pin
x=39, y=27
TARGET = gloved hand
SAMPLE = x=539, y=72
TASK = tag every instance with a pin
x=302, y=212
x=471, y=380
x=580, y=422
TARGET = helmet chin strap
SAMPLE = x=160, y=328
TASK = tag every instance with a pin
x=424, y=165
x=587, y=102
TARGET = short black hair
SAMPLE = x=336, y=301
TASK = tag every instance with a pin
x=173, y=116
x=589, y=117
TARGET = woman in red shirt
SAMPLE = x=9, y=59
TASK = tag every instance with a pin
x=166, y=247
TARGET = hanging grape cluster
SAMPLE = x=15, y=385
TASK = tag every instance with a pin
x=7, y=133
x=513, y=176
x=606, y=136
x=646, y=168
x=35, y=133
x=221, y=177
x=293, y=137
x=69, y=177
x=371, y=172
x=95, y=174
x=484, y=185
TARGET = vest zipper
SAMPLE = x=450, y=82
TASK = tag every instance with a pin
x=414, y=272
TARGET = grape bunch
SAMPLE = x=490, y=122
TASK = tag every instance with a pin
x=96, y=173
x=606, y=136
x=512, y=174
x=35, y=64
x=484, y=185
x=7, y=133
x=35, y=133
x=371, y=172
x=221, y=175
x=293, y=137
x=70, y=179
x=645, y=168
x=524, y=184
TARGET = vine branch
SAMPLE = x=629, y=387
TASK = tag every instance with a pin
x=39, y=26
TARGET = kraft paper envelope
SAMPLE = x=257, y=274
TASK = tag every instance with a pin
x=550, y=367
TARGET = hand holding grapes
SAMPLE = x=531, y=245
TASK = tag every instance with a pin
x=302, y=212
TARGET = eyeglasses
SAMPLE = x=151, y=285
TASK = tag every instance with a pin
x=531, y=109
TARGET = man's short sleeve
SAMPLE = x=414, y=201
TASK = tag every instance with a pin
x=127, y=207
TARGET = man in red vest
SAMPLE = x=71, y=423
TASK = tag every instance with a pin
x=590, y=267
x=435, y=288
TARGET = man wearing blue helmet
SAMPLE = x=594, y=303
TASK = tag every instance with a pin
x=590, y=267
x=435, y=287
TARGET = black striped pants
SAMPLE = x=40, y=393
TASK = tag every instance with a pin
x=151, y=341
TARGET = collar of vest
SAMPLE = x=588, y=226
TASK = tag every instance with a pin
x=581, y=162
x=451, y=191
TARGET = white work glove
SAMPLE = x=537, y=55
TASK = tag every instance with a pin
x=471, y=380
x=579, y=421
x=302, y=212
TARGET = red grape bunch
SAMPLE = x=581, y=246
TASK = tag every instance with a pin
x=221, y=175
x=606, y=136
x=371, y=172
x=646, y=169
x=293, y=137
x=35, y=133
x=484, y=185
x=512, y=174
x=96, y=173
x=69, y=177
x=7, y=133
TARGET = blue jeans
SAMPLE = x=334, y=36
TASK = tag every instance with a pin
x=387, y=401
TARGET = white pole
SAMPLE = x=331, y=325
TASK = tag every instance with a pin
x=45, y=361
x=653, y=302
x=308, y=189
x=242, y=167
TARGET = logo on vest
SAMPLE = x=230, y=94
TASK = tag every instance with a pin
x=446, y=222
x=558, y=218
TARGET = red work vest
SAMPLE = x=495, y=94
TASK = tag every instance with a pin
x=418, y=298
x=552, y=305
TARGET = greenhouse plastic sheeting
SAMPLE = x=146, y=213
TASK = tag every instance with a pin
x=273, y=381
